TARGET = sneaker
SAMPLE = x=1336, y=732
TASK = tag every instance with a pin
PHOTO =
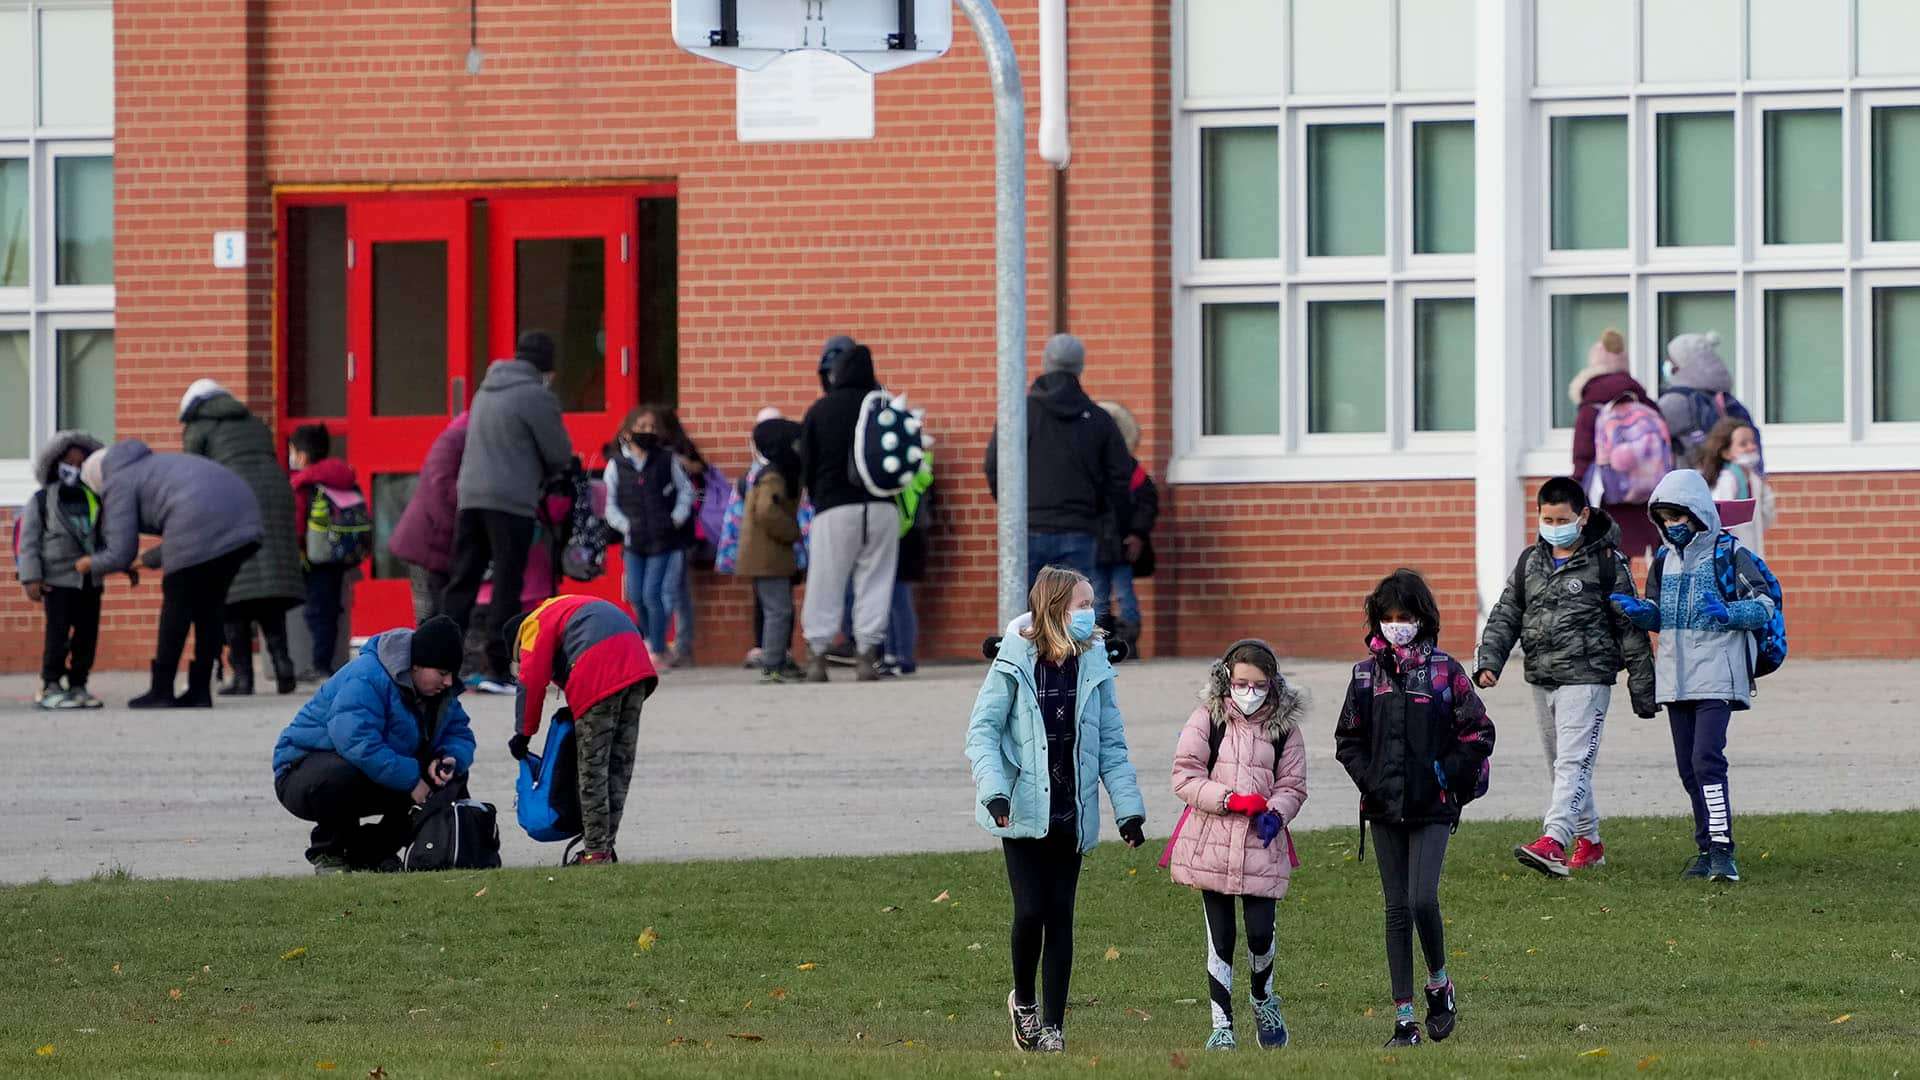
x=680, y=660
x=329, y=864
x=1221, y=1039
x=1440, y=1011
x=1051, y=1041
x=1545, y=855
x=1405, y=1033
x=1587, y=853
x=794, y=672
x=490, y=685
x=1026, y=1023
x=1273, y=1027
x=51, y=697
x=753, y=658
x=596, y=858
x=1699, y=867
x=842, y=653
x=78, y=698
x=774, y=677
x=1720, y=865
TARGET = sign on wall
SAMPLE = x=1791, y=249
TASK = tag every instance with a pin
x=805, y=96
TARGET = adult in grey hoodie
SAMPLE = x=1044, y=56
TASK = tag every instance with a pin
x=208, y=523
x=516, y=443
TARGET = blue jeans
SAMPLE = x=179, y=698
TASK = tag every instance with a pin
x=683, y=610
x=1074, y=551
x=324, y=586
x=903, y=627
x=1113, y=582
x=653, y=588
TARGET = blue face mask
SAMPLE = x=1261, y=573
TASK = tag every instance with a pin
x=1080, y=624
x=1561, y=536
x=1679, y=534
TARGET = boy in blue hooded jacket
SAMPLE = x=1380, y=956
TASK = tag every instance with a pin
x=1703, y=671
x=380, y=736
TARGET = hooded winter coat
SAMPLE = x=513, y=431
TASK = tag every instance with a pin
x=1561, y=616
x=1699, y=659
x=1704, y=375
x=51, y=542
x=199, y=508
x=1590, y=392
x=516, y=442
x=1404, y=713
x=424, y=536
x=219, y=427
x=1218, y=850
x=1007, y=745
x=826, y=436
x=327, y=472
x=1078, y=467
x=370, y=714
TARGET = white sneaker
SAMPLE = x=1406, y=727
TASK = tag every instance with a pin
x=52, y=697
x=1052, y=1041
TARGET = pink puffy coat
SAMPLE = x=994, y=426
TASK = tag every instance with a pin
x=1219, y=851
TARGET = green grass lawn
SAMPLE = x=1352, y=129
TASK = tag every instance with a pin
x=845, y=967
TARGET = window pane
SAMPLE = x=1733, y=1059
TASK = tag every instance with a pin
x=83, y=220
x=410, y=328
x=16, y=396
x=1240, y=364
x=1797, y=39
x=1896, y=354
x=316, y=299
x=1346, y=366
x=1696, y=179
x=1896, y=159
x=85, y=358
x=1240, y=193
x=1589, y=182
x=1582, y=42
x=1691, y=41
x=1230, y=48
x=1803, y=176
x=13, y=223
x=1346, y=189
x=1697, y=313
x=560, y=286
x=1888, y=29
x=1437, y=43
x=657, y=336
x=391, y=492
x=1578, y=322
x=1443, y=188
x=1340, y=46
x=1443, y=365
x=76, y=68
x=1804, y=380
x=16, y=73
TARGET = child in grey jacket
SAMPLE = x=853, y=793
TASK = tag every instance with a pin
x=56, y=529
x=1703, y=671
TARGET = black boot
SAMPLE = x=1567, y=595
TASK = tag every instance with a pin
x=199, y=693
x=242, y=684
x=159, y=694
x=284, y=680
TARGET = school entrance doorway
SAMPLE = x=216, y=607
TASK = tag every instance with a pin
x=391, y=304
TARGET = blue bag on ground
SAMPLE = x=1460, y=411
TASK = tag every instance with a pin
x=547, y=798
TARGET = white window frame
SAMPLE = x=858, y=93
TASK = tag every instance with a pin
x=1580, y=260
x=52, y=296
x=1768, y=254
x=1401, y=191
x=20, y=297
x=1299, y=340
x=1861, y=130
x=1647, y=352
x=1201, y=270
x=1647, y=224
x=1296, y=188
x=1877, y=432
x=1841, y=433
x=1405, y=383
x=1190, y=386
x=53, y=324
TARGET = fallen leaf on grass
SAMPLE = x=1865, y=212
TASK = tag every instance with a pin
x=1142, y=1015
x=678, y=1040
x=1755, y=1044
x=890, y=909
x=1369, y=1012
x=45, y=1051
x=1841, y=1019
x=746, y=1036
x=325, y=1066
x=480, y=894
x=1186, y=1001
x=116, y=969
x=1319, y=986
x=975, y=947
x=174, y=994
x=942, y=898
x=647, y=939
x=1598, y=1051
x=290, y=954
x=808, y=966
x=1646, y=1062
x=777, y=995
x=1530, y=952
x=1177, y=1060
x=1113, y=952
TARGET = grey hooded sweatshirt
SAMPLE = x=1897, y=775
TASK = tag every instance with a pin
x=200, y=509
x=51, y=541
x=1700, y=659
x=516, y=441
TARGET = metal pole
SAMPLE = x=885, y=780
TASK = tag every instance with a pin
x=1010, y=297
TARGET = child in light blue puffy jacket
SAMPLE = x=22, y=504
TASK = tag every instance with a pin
x=1045, y=734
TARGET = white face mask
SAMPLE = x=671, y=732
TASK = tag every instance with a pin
x=1400, y=633
x=1249, y=700
x=1751, y=461
x=69, y=474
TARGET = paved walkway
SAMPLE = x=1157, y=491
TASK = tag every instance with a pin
x=731, y=769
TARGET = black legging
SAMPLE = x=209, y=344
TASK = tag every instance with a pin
x=1220, y=941
x=1044, y=876
x=195, y=597
x=1410, y=858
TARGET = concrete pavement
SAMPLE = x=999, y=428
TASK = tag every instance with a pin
x=731, y=769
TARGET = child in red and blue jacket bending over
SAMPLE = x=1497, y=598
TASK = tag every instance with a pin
x=591, y=651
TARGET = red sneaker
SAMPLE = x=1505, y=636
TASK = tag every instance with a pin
x=1587, y=853
x=1545, y=855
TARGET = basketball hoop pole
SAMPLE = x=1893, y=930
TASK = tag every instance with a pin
x=1010, y=297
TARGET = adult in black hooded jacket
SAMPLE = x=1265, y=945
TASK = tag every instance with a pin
x=1078, y=467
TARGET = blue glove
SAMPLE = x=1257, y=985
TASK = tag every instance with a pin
x=1267, y=826
x=1632, y=606
x=1714, y=610
x=1440, y=774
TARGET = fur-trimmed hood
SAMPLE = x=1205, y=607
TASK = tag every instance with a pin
x=46, y=462
x=1283, y=710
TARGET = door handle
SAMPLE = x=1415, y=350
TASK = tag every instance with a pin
x=350, y=366
x=623, y=361
x=457, y=398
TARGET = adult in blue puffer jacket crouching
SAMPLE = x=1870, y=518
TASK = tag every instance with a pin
x=378, y=738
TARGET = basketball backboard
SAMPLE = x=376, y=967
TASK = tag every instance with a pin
x=877, y=35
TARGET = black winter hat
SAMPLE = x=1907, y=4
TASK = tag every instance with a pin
x=536, y=348
x=437, y=644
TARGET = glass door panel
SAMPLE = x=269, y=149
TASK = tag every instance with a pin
x=390, y=493
x=560, y=286
x=408, y=362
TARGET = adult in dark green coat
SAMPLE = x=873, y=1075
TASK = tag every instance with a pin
x=219, y=427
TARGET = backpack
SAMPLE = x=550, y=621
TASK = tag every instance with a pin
x=547, y=796
x=583, y=551
x=39, y=504
x=1631, y=452
x=888, y=443
x=453, y=832
x=711, y=501
x=1366, y=672
x=1770, y=641
x=1708, y=410
x=726, y=553
x=339, y=527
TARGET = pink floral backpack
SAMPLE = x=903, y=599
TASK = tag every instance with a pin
x=1631, y=453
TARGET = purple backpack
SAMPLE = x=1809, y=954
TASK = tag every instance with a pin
x=1631, y=453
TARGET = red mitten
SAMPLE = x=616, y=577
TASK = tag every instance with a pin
x=1246, y=804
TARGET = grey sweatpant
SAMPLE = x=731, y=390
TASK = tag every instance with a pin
x=1570, y=721
x=1410, y=859
x=858, y=543
x=775, y=595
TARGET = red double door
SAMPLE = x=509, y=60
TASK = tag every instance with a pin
x=436, y=287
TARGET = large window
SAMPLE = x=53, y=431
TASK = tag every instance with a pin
x=56, y=229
